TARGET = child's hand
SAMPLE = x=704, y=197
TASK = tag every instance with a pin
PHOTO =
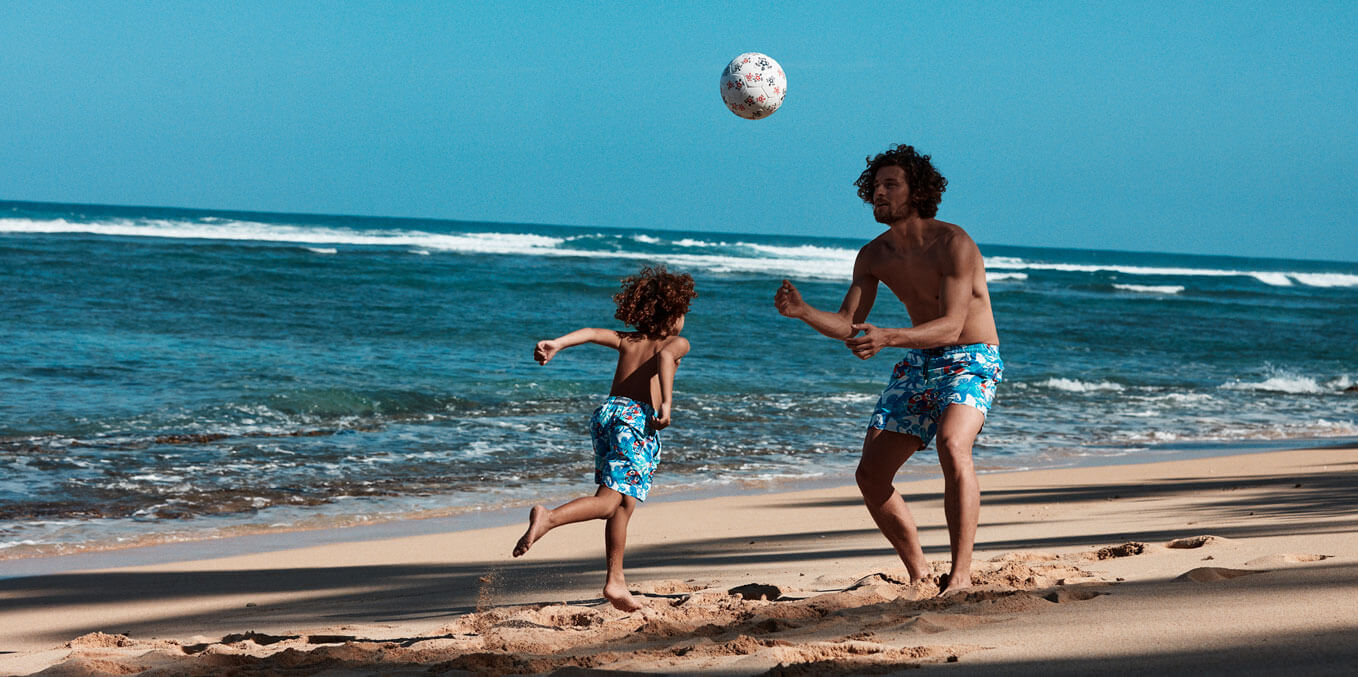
x=544, y=351
x=662, y=419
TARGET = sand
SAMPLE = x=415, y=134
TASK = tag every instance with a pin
x=1244, y=564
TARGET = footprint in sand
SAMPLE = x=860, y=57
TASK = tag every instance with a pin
x=1286, y=558
x=1127, y=549
x=1214, y=574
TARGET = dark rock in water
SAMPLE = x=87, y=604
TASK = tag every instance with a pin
x=1352, y=389
x=757, y=591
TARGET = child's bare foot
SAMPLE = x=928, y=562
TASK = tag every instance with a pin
x=617, y=594
x=536, y=527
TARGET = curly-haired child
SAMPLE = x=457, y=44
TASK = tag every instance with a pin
x=626, y=428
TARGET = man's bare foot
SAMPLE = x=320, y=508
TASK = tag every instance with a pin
x=537, y=524
x=947, y=584
x=621, y=599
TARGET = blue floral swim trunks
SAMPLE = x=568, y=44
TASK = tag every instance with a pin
x=928, y=381
x=626, y=447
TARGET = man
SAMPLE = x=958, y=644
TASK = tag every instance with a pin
x=944, y=386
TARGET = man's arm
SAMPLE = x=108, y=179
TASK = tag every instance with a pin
x=955, y=292
x=855, y=307
x=669, y=357
x=546, y=350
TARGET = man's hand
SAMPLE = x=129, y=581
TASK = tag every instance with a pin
x=662, y=419
x=867, y=345
x=789, y=301
x=544, y=351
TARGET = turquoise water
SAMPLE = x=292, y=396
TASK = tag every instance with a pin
x=177, y=374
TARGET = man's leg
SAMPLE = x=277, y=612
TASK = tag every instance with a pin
x=957, y=431
x=615, y=540
x=601, y=505
x=883, y=454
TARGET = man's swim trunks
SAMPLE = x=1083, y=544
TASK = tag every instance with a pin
x=928, y=381
x=626, y=447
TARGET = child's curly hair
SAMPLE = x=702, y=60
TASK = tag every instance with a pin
x=652, y=299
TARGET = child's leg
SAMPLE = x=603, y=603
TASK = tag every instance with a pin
x=601, y=505
x=615, y=540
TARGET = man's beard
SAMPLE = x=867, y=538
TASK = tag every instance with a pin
x=883, y=214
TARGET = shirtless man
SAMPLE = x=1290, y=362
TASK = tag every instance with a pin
x=944, y=386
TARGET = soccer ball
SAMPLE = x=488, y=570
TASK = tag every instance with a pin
x=753, y=86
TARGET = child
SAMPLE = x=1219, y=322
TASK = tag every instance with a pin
x=625, y=429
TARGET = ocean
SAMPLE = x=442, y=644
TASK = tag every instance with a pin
x=172, y=374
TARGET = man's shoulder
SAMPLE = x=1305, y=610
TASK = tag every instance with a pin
x=877, y=244
x=949, y=229
x=951, y=235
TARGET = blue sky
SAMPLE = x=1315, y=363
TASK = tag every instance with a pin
x=1213, y=128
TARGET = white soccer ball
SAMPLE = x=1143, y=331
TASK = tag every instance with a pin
x=753, y=86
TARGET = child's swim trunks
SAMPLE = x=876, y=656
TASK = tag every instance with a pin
x=626, y=448
x=928, y=381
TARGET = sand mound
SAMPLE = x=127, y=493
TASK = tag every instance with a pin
x=933, y=623
x=99, y=640
x=1021, y=556
x=1214, y=574
x=1286, y=558
x=858, y=658
x=1194, y=542
x=671, y=586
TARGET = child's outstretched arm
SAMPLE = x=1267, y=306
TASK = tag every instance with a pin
x=546, y=350
x=669, y=357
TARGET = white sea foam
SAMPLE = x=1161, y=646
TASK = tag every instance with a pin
x=1274, y=278
x=1003, y=277
x=487, y=243
x=1222, y=431
x=1326, y=279
x=806, y=261
x=1150, y=288
x=1281, y=383
x=1077, y=386
x=14, y=544
x=1178, y=398
x=323, y=250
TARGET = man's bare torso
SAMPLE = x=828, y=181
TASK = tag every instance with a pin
x=913, y=266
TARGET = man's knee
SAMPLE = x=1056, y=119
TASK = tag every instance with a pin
x=954, y=455
x=872, y=482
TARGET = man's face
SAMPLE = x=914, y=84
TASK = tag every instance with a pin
x=891, y=195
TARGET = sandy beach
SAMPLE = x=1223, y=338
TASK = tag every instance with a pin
x=1242, y=564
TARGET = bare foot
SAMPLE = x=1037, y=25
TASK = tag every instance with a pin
x=537, y=525
x=621, y=599
x=947, y=584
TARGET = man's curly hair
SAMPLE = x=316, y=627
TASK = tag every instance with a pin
x=652, y=299
x=926, y=184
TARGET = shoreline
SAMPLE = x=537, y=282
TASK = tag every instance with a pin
x=1240, y=563
x=266, y=539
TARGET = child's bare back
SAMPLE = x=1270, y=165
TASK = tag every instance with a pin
x=640, y=363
